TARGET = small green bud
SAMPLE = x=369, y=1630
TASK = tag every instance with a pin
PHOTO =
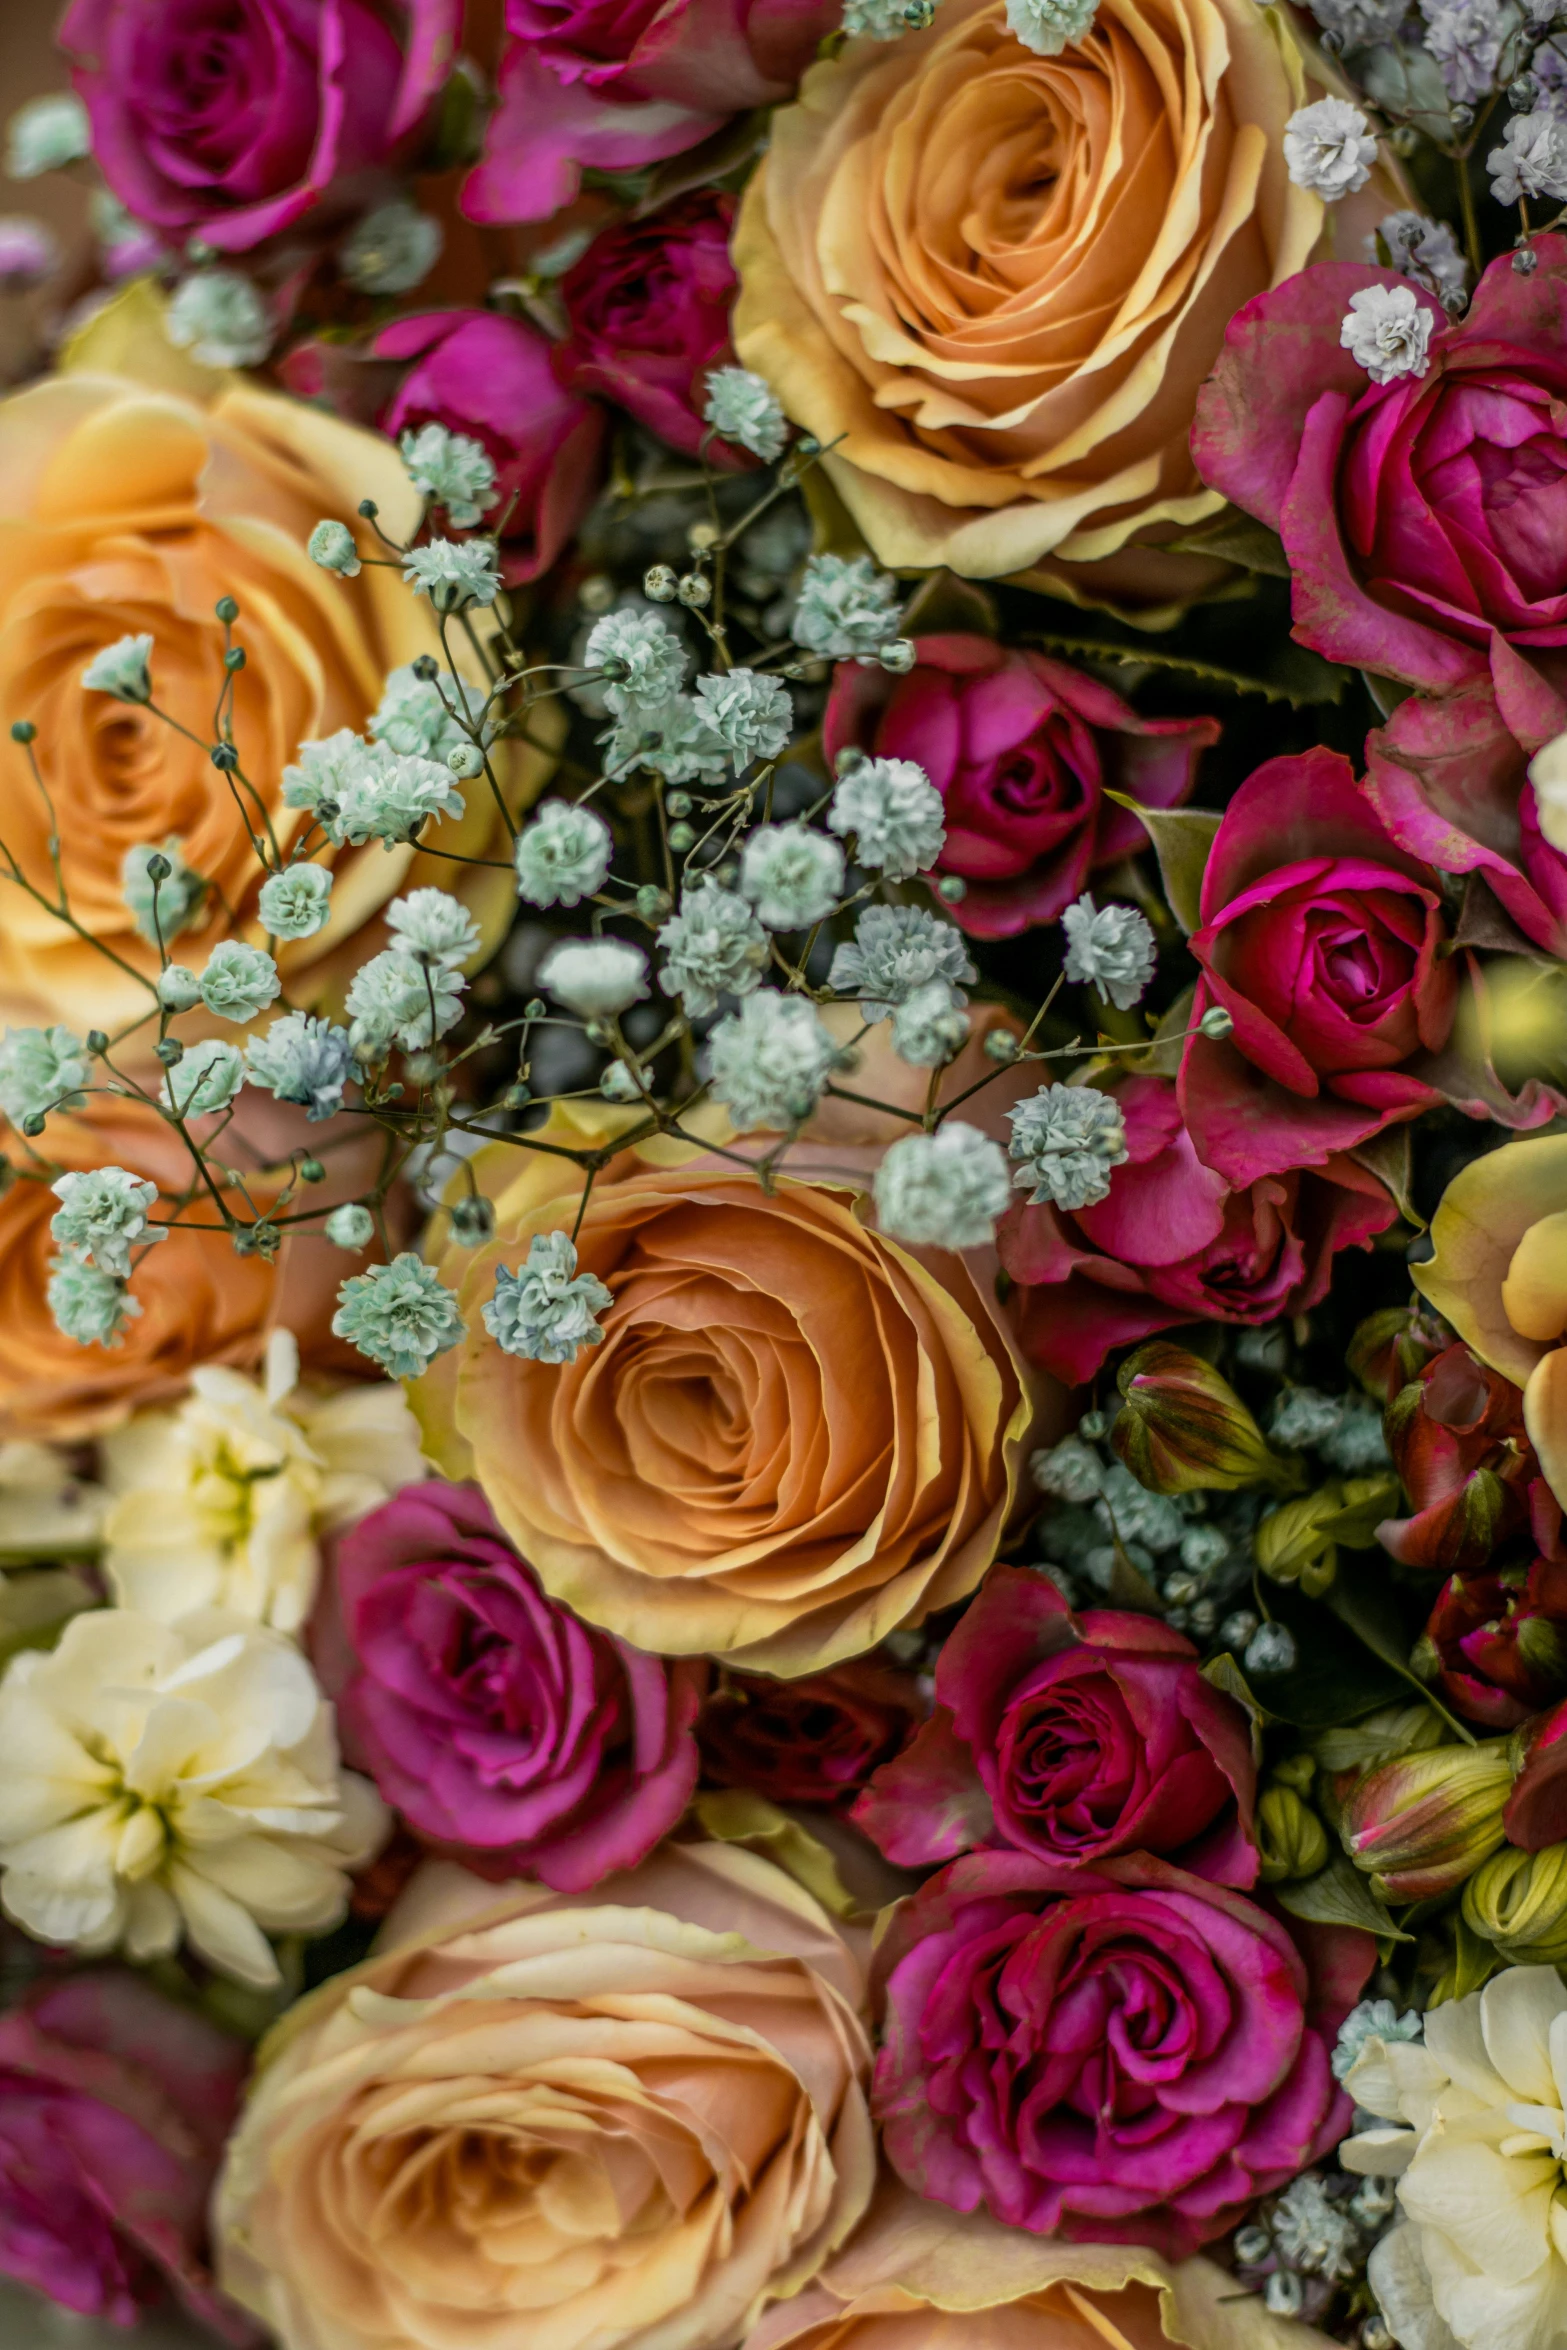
x=465, y=760
x=224, y=757
x=1290, y=1837
x=97, y=1041
x=1001, y=1045
x=311, y=1171
x=1518, y=1900
x=695, y=591
x=517, y=1097
x=677, y=803
x=953, y=888
x=659, y=584
x=369, y=510
x=158, y=867
x=535, y=1008
x=898, y=656
x=652, y=902
x=33, y=1124
x=473, y=1221
x=234, y=659
x=681, y=837
x=169, y=1051
x=1216, y=1023
x=227, y=610
x=23, y=731
x=426, y=668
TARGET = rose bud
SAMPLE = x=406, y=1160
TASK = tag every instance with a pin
x=1392, y=1347
x=1292, y=1840
x=1423, y=1824
x=1182, y=1428
x=1536, y=1812
x=1457, y=1438
x=1518, y=1900
x=1496, y=1645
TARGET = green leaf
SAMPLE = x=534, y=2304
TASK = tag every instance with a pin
x=1339, y=1896
x=1297, y=676
x=1182, y=838
x=1387, y=1156
x=1238, y=538
x=944, y=605
x=1333, y=1680
x=1362, y=1598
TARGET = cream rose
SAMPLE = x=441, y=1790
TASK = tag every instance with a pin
x=996, y=280
x=583, y=2124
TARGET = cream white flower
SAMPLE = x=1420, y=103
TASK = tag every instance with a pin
x=222, y=1502
x=1474, y=2127
x=46, y=1511
x=162, y=1783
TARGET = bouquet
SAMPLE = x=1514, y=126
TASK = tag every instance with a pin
x=783, y=1217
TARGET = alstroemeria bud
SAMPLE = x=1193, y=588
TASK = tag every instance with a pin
x=1422, y=1825
x=1392, y=1347
x=1183, y=1429
x=1298, y=1542
x=1536, y=1813
x=1518, y=1900
x=1457, y=1438
x=1290, y=1837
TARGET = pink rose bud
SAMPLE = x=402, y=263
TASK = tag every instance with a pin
x=1183, y=1428
x=1422, y=1825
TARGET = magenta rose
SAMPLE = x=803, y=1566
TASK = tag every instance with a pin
x=114, y=2107
x=230, y=119
x=815, y=1740
x=647, y=313
x=494, y=379
x=1023, y=751
x=1323, y=941
x=1175, y=1243
x=505, y=1732
x=1124, y=2053
x=611, y=85
x=1425, y=519
x=1073, y=1738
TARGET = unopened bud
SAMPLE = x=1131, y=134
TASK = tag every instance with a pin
x=1423, y=1825
x=659, y=584
x=426, y=668
x=23, y=731
x=1290, y=1837
x=1001, y=1045
x=473, y=1221
x=227, y=610
x=695, y=591
x=953, y=888
x=1518, y=1900
x=465, y=760
x=1183, y=1428
x=311, y=1171
x=1216, y=1023
x=681, y=837
x=1390, y=1348
x=652, y=902
x=898, y=655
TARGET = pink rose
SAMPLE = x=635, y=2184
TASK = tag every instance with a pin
x=1175, y=1243
x=1322, y=940
x=1124, y=2053
x=1073, y=1738
x=647, y=313
x=1023, y=751
x=233, y=122
x=614, y=84
x=505, y=1732
x=114, y=2108
x=1423, y=518
x=494, y=379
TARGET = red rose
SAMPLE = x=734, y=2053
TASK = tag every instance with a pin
x=811, y=1741
x=647, y=307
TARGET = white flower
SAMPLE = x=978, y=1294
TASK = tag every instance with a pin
x=449, y=470
x=331, y=545
x=89, y=1307
x=453, y=573
x=594, y=977
x=943, y=1190
x=239, y=981
x=1465, y=37
x=791, y=875
x=414, y=716
x=401, y=1315
x=41, y=1069
x=297, y=902
x=714, y=946
x=1329, y=148
x=1067, y=1138
x=1049, y=26
x=886, y=20
x=1272, y=1648
x=1069, y=1471
x=563, y=856
x=170, y=1782
x=395, y=999
x=392, y=248
x=548, y=1312
x=1473, y=2124
x=1315, y=2234
x=431, y=926
x=351, y=1226
x=1531, y=161
x=1109, y=947
x=220, y=318
x=207, y=1079
x=224, y=1500
x=102, y=1216
x=1373, y=2019
x=741, y=408
x=896, y=950
x=1358, y=1443
x=847, y=609
x=1388, y=332
x=675, y=739
x=178, y=987
x=895, y=813
x=1425, y=250
x=45, y=135
x=770, y=1060
x=123, y=669
x=303, y=1060
x=162, y=894
x=1302, y=1418
x=751, y=715
x=930, y=1027
x=649, y=659
x=359, y=791
x=1358, y=23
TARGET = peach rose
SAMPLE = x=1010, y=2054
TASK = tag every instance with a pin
x=917, y=2276
x=1499, y=1275
x=1001, y=277
x=795, y=1436
x=604, y=2123
x=137, y=489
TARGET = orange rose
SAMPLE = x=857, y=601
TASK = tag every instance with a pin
x=130, y=507
x=997, y=279
x=620, y=2121
x=795, y=1436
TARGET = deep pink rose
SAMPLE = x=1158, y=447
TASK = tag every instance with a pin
x=114, y=2107
x=1425, y=519
x=1123, y=2053
x=231, y=118
x=494, y=379
x=1070, y=1737
x=1175, y=1243
x=506, y=1732
x=1321, y=938
x=614, y=84
x=647, y=308
x=1023, y=751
